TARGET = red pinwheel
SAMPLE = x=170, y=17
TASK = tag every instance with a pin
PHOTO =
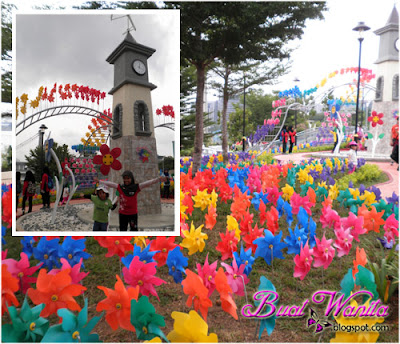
x=207, y=273
x=211, y=217
x=115, y=245
x=225, y=291
x=163, y=245
x=108, y=159
x=9, y=285
x=272, y=220
x=251, y=236
x=228, y=244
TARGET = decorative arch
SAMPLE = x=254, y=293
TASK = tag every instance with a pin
x=395, y=87
x=141, y=118
x=117, y=119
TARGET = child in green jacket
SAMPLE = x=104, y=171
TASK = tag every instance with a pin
x=102, y=205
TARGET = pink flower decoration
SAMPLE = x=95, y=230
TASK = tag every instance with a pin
x=142, y=274
x=330, y=218
x=323, y=124
x=108, y=159
x=22, y=270
x=207, y=273
x=233, y=274
x=349, y=115
x=343, y=241
x=330, y=124
x=303, y=262
x=391, y=228
x=276, y=121
x=323, y=252
x=355, y=224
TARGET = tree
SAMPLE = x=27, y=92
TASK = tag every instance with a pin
x=235, y=32
x=6, y=159
x=6, y=50
x=36, y=162
x=236, y=79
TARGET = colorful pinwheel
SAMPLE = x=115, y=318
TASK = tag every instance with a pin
x=269, y=247
x=323, y=252
x=237, y=279
x=303, y=262
x=115, y=245
x=194, y=240
x=225, y=292
x=177, y=262
x=244, y=258
x=162, y=245
x=207, y=273
x=9, y=285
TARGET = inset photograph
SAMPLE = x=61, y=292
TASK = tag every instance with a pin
x=96, y=106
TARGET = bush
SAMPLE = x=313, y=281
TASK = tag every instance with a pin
x=363, y=174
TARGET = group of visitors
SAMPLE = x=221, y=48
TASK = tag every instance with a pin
x=287, y=135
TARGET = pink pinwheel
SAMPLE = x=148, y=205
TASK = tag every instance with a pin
x=391, y=228
x=296, y=201
x=273, y=194
x=234, y=275
x=74, y=273
x=108, y=159
x=207, y=273
x=323, y=252
x=22, y=271
x=330, y=218
x=142, y=274
x=356, y=225
x=343, y=241
x=303, y=262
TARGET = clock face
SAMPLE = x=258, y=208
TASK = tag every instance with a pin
x=396, y=44
x=139, y=67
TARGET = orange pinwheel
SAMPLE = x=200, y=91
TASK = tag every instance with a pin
x=55, y=291
x=118, y=305
x=251, y=236
x=361, y=259
x=245, y=224
x=225, y=292
x=240, y=203
x=327, y=202
x=211, y=217
x=9, y=285
x=312, y=196
x=372, y=219
x=198, y=293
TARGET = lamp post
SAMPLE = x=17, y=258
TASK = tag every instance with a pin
x=42, y=129
x=244, y=111
x=361, y=27
x=296, y=80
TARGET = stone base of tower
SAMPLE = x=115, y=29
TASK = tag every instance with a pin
x=383, y=145
x=149, y=200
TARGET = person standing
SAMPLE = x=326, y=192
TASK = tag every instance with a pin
x=18, y=188
x=292, y=138
x=284, y=138
x=395, y=142
x=45, y=189
x=28, y=191
x=167, y=184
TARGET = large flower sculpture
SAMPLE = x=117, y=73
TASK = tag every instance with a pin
x=108, y=159
x=375, y=118
x=118, y=305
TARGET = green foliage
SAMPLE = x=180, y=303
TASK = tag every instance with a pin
x=167, y=164
x=6, y=159
x=366, y=173
x=265, y=158
x=36, y=161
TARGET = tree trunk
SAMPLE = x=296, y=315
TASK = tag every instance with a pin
x=224, y=117
x=199, y=132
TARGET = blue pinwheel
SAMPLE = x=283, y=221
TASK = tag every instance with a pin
x=144, y=255
x=3, y=234
x=279, y=205
x=177, y=262
x=73, y=328
x=27, y=245
x=287, y=208
x=297, y=239
x=245, y=258
x=269, y=246
x=47, y=251
x=302, y=217
x=73, y=250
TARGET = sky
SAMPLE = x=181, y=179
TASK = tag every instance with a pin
x=77, y=54
x=72, y=47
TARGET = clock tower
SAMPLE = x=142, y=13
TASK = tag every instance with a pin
x=387, y=79
x=133, y=128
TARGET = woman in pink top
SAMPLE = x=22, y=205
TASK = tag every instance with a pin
x=128, y=192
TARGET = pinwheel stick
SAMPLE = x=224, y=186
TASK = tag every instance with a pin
x=244, y=286
x=323, y=282
x=257, y=329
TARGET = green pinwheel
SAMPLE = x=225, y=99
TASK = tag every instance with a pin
x=354, y=204
x=146, y=321
x=266, y=323
x=26, y=326
x=73, y=329
x=344, y=196
x=321, y=193
x=383, y=205
x=304, y=188
x=364, y=278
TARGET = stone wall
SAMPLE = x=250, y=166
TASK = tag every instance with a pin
x=149, y=201
x=387, y=108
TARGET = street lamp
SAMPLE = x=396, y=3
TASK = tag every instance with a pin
x=244, y=111
x=42, y=129
x=361, y=27
x=296, y=80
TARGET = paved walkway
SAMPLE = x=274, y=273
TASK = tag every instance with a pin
x=387, y=188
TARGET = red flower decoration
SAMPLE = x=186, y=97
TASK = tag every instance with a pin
x=108, y=159
x=375, y=118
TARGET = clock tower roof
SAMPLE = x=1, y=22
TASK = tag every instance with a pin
x=129, y=44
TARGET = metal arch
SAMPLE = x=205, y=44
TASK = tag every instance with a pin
x=57, y=111
x=170, y=126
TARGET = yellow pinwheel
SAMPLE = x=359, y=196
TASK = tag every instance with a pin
x=232, y=225
x=287, y=192
x=190, y=328
x=333, y=192
x=140, y=241
x=194, y=240
x=201, y=200
x=368, y=197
